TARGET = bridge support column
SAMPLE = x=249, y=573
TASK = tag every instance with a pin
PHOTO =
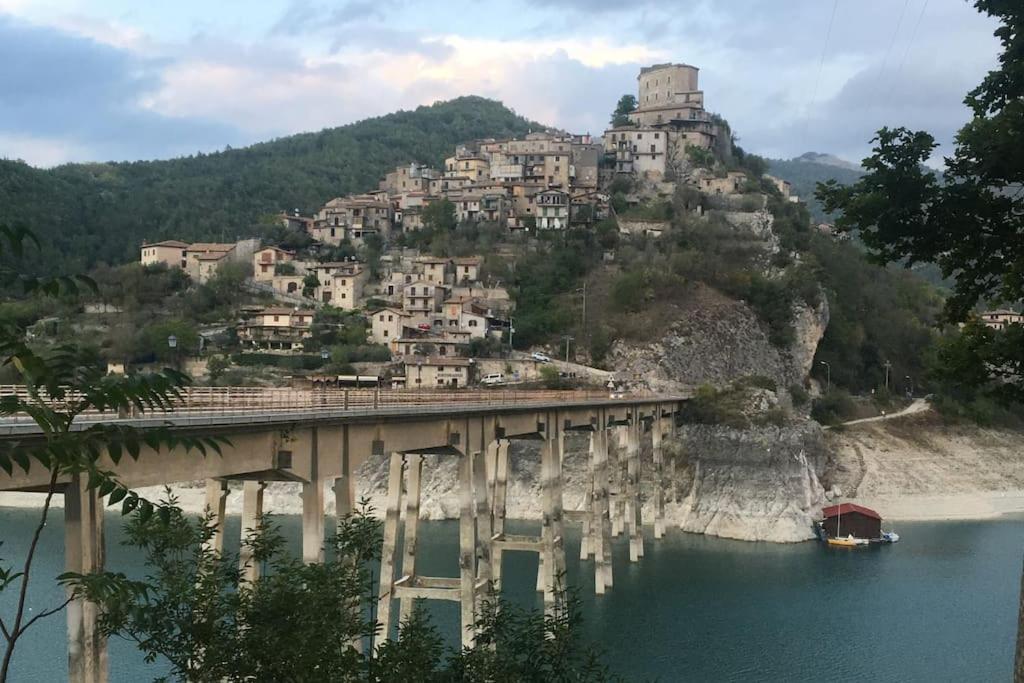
x=216, y=507
x=313, y=507
x=601, y=524
x=618, y=481
x=659, y=474
x=498, y=507
x=387, y=557
x=467, y=550
x=484, y=534
x=633, y=512
x=252, y=511
x=84, y=553
x=414, y=463
x=552, y=568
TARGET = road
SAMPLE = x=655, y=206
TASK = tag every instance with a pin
x=918, y=406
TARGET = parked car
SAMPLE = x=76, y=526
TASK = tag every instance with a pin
x=540, y=357
x=493, y=378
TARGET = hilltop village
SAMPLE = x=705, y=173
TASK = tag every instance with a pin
x=436, y=314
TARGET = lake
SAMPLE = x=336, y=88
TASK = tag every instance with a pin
x=940, y=605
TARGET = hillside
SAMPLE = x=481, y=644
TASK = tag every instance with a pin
x=807, y=170
x=100, y=212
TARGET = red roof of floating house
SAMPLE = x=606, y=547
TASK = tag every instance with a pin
x=846, y=508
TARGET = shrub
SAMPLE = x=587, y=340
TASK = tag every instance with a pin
x=835, y=406
x=799, y=395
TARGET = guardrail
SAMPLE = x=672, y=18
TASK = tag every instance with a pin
x=261, y=400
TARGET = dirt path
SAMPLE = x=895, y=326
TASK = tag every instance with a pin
x=912, y=465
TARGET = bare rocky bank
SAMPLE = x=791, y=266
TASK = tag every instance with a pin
x=920, y=467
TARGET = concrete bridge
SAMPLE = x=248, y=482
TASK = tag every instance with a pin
x=319, y=437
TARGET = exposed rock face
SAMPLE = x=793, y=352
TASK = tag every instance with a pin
x=758, y=484
x=755, y=484
x=716, y=341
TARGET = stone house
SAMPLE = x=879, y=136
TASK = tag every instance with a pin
x=172, y=253
x=277, y=328
x=436, y=373
x=265, y=262
x=421, y=297
x=386, y=325
x=552, y=210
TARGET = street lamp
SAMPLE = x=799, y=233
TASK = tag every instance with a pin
x=909, y=385
x=888, y=366
x=828, y=375
x=568, y=338
x=172, y=344
x=324, y=355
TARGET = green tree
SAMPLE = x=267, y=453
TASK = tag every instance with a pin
x=61, y=383
x=620, y=115
x=971, y=224
x=440, y=216
x=309, y=622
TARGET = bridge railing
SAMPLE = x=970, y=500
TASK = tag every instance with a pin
x=262, y=400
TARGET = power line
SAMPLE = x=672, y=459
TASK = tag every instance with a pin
x=821, y=63
x=906, y=53
x=892, y=42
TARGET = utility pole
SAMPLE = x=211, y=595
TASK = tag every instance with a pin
x=568, y=338
x=828, y=375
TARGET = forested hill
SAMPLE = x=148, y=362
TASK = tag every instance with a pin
x=805, y=174
x=101, y=212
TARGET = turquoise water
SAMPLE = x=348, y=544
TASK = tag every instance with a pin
x=939, y=606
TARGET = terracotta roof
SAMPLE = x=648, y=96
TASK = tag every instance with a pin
x=166, y=243
x=211, y=246
x=282, y=310
x=846, y=508
x=436, y=360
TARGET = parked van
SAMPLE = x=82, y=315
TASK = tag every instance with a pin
x=493, y=378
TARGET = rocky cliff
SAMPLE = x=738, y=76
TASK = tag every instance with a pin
x=717, y=340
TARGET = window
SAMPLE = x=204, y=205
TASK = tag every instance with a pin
x=472, y=323
x=652, y=149
x=657, y=135
x=412, y=291
x=382, y=318
x=276, y=319
x=390, y=318
x=639, y=136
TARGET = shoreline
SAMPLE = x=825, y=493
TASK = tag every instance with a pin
x=975, y=506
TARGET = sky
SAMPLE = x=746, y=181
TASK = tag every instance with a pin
x=98, y=80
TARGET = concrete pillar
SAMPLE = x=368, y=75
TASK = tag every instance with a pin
x=618, y=481
x=633, y=488
x=467, y=551
x=216, y=507
x=313, y=507
x=498, y=508
x=344, y=485
x=387, y=557
x=414, y=462
x=545, y=576
x=483, y=523
x=587, y=544
x=252, y=510
x=600, y=523
x=84, y=553
x=552, y=568
x=659, y=475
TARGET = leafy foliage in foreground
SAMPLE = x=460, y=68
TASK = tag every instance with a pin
x=62, y=384
x=308, y=622
x=971, y=223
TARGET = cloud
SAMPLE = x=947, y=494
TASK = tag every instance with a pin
x=95, y=84
x=66, y=92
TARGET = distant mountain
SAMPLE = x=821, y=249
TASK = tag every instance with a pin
x=101, y=212
x=809, y=169
x=828, y=160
